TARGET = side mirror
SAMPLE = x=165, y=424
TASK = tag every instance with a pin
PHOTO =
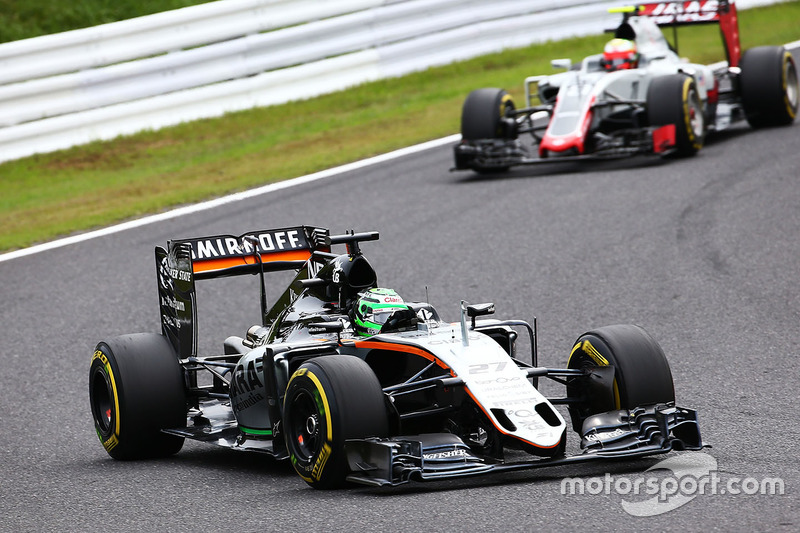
x=255, y=336
x=326, y=327
x=301, y=284
x=480, y=310
x=336, y=327
x=476, y=310
x=565, y=64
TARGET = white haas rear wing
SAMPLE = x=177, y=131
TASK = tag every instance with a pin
x=688, y=12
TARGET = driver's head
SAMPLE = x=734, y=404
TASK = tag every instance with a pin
x=620, y=54
x=373, y=308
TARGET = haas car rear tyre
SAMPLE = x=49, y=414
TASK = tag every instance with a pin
x=641, y=372
x=673, y=99
x=769, y=87
x=136, y=389
x=330, y=399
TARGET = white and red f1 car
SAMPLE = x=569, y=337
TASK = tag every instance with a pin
x=638, y=97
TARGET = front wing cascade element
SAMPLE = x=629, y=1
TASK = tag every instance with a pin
x=428, y=457
x=489, y=154
x=632, y=429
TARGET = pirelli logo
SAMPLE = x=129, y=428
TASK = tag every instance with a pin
x=319, y=465
x=111, y=443
x=592, y=352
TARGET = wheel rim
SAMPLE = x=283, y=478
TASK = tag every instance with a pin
x=102, y=404
x=790, y=75
x=696, y=119
x=304, y=426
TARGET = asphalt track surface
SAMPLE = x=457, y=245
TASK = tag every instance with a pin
x=702, y=252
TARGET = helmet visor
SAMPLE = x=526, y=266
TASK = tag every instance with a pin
x=380, y=316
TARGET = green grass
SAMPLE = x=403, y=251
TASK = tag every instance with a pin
x=21, y=19
x=50, y=195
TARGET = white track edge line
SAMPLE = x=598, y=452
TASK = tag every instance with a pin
x=235, y=197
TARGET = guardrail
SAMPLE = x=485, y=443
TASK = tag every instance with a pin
x=98, y=83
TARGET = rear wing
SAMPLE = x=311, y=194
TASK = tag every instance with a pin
x=279, y=249
x=691, y=12
x=184, y=261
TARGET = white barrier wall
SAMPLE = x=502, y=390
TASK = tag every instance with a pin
x=96, y=83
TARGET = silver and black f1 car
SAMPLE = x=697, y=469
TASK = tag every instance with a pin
x=353, y=384
x=637, y=97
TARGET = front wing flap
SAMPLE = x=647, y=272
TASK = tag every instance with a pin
x=504, y=153
x=428, y=457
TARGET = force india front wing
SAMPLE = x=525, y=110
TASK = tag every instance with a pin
x=612, y=435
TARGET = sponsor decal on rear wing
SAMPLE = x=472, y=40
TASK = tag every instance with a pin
x=686, y=12
x=224, y=255
x=176, y=298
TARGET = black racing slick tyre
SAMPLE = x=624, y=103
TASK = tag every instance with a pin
x=673, y=99
x=641, y=372
x=136, y=389
x=485, y=116
x=482, y=114
x=329, y=400
x=769, y=86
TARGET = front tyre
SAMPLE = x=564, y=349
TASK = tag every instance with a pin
x=482, y=114
x=673, y=99
x=136, y=389
x=769, y=86
x=487, y=114
x=641, y=372
x=329, y=400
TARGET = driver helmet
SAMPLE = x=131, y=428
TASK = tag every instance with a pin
x=620, y=54
x=373, y=308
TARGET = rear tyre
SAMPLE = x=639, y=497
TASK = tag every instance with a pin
x=769, y=86
x=641, y=371
x=136, y=389
x=330, y=399
x=673, y=99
